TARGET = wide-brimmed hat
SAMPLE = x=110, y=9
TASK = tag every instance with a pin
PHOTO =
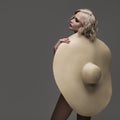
x=82, y=73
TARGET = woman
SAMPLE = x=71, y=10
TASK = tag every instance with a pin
x=83, y=22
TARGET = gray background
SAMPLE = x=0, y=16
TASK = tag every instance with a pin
x=28, y=32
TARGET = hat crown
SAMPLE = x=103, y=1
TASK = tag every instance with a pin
x=91, y=73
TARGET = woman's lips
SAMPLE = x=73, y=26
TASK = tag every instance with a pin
x=70, y=25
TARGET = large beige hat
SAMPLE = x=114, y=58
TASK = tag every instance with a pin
x=82, y=74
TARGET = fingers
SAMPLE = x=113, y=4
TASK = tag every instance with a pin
x=67, y=41
x=64, y=40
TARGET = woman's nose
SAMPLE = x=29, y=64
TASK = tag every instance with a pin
x=71, y=21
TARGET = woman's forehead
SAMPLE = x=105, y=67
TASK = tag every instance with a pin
x=79, y=15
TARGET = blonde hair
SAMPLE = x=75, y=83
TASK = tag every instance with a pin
x=89, y=24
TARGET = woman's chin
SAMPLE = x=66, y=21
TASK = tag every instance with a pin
x=70, y=28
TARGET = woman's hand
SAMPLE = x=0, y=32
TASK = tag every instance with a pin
x=64, y=40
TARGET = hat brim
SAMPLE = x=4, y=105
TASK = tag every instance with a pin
x=87, y=100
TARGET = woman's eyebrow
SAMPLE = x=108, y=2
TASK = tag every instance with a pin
x=74, y=17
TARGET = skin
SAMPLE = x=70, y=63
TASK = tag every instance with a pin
x=76, y=22
x=74, y=25
x=62, y=109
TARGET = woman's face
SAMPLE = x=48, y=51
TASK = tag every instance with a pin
x=75, y=22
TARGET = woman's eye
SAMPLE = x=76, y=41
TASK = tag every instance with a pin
x=76, y=20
